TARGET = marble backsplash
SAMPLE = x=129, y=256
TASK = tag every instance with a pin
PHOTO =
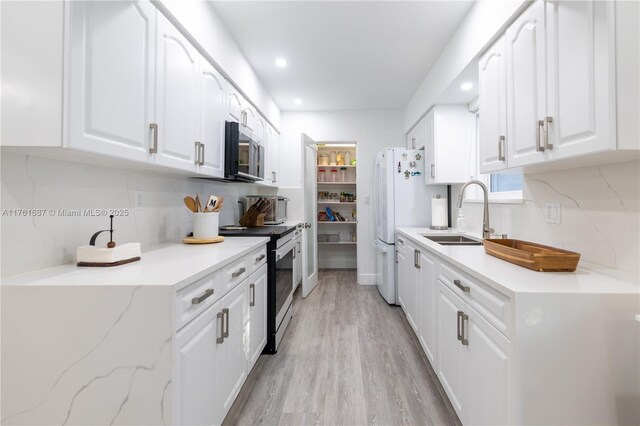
x=600, y=213
x=30, y=243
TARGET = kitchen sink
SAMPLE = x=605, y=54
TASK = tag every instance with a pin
x=453, y=240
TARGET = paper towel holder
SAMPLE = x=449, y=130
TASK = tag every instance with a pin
x=438, y=228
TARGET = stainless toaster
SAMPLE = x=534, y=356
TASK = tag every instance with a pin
x=277, y=214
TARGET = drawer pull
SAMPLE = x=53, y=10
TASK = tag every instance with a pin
x=237, y=273
x=225, y=323
x=252, y=295
x=220, y=338
x=259, y=258
x=464, y=288
x=202, y=297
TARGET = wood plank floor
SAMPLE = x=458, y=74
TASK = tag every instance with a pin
x=347, y=358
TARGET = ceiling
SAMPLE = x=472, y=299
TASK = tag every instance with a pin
x=347, y=55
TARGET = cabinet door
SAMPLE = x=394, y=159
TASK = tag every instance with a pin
x=485, y=373
x=211, y=101
x=493, y=108
x=176, y=97
x=427, y=293
x=401, y=268
x=416, y=137
x=257, y=315
x=526, y=86
x=198, y=370
x=233, y=353
x=581, y=79
x=430, y=147
x=235, y=105
x=451, y=352
x=111, y=86
x=274, y=155
x=411, y=275
x=251, y=120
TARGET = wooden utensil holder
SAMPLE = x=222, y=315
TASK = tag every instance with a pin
x=252, y=218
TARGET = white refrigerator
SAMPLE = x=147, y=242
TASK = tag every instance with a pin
x=401, y=198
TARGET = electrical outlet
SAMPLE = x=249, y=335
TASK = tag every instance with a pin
x=552, y=213
x=138, y=200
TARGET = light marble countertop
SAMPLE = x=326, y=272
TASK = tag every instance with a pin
x=511, y=279
x=168, y=265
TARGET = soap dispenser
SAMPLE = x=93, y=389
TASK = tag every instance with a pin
x=461, y=222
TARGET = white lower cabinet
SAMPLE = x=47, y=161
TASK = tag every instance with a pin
x=427, y=300
x=215, y=351
x=257, y=315
x=473, y=361
x=198, y=365
x=401, y=268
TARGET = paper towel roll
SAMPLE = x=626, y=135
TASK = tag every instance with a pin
x=439, y=210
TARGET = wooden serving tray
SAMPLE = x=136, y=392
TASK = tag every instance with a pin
x=532, y=255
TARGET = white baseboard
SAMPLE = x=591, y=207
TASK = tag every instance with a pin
x=367, y=279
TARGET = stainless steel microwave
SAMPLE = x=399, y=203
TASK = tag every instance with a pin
x=244, y=155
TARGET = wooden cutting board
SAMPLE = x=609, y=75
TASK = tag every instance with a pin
x=192, y=240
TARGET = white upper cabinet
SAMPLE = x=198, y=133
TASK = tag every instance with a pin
x=526, y=86
x=449, y=133
x=272, y=148
x=111, y=74
x=493, y=114
x=177, y=88
x=581, y=81
x=212, y=98
x=252, y=120
x=416, y=137
x=235, y=105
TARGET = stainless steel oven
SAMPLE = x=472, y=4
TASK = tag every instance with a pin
x=285, y=253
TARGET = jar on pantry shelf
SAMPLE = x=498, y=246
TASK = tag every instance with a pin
x=342, y=176
x=332, y=158
x=322, y=175
x=323, y=159
x=347, y=158
x=334, y=175
x=340, y=158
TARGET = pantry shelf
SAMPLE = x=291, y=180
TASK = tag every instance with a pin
x=351, y=203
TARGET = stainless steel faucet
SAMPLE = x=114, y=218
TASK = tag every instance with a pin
x=486, y=228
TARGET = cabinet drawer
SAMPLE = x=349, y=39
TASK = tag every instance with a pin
x=495, y=307
x=195, y=298
x=256, y=259
x=234, y=273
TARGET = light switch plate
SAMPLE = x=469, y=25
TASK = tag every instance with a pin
x=552, y=213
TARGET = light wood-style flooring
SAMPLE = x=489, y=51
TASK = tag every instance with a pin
x=347, y=358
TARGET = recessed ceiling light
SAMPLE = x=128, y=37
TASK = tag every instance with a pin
x=281, y=62
x=466, y=86
x=297, y=101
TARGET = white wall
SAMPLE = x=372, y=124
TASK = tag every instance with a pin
x=372, y=131
x=203, y=23
x=484, y=20
x=31, y=243
x=600, y=213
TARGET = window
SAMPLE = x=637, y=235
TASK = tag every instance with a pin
x=502, y=187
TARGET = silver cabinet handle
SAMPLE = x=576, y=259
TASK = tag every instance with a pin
x=464, y=318
x=225, y=323
x=273, y=177
x=202, y=297
x=464, y=288
x=458, y=318
x=539, y=146
x=252, y=295
x=153, y=149
x=547, y=145
x=237, y=273
x=299, y=247
x=259, y=258
x=400, y=240
x=433, y=171
x=201, y=154
x=413, y=143
x=397, y=256
x=417, y=254
x=294, y=254
x=198, y=151
x=501, y=141
x=220, y=316
x=415, y=262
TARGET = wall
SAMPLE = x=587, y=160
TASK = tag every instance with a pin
x=204, y=25
x=372, y=131
x=31, y=243
x=600, y=213
x=476, y=32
